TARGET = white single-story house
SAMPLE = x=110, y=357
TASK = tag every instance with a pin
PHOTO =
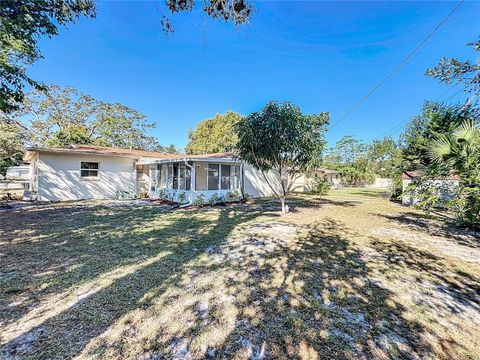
x=96, y=172
x=446, y=187
x=305, y=183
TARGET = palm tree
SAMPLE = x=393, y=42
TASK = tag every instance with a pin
x=459, y=154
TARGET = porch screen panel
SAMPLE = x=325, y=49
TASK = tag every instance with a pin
x=164, y=171
x=175, y=176
x=158, y=181
x=188, y=177
x=235, y=177
x=225, y=177
x=201, y=176
x=151, y=177
x=213, y=176
x=170, y=176
x=181, y=177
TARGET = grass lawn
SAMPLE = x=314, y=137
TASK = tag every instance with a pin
x=350, y=275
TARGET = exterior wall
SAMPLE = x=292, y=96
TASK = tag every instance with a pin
x=305, y=182
x=254, y=183
x=381, y=183
x=447, y=191
x=59, y=177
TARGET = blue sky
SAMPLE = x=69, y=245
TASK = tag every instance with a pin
x=323, y=56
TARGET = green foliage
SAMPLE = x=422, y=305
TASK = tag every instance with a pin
x=182, y=197
x=427, y=195
x=459, y=154
x=454, y=71
x=350, y=157
x=233, y=196
x=61, y=117
x=385, y=157
x=22, y=23
x=200, y=200
x=214, y=135
x=280, y=138
x=435, y=120
x=320, y=186
x=12, y=139
x=215, y=199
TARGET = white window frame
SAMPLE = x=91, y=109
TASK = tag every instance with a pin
x=90, y=177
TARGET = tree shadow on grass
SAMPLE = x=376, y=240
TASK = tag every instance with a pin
x=113, y=263
x=274, y=291
x=438, y=225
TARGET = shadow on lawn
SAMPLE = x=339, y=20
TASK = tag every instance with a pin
x=95, y=265
x=437, y=224
x=277, y=291
x=208, y=284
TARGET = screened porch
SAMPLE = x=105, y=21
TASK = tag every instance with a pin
x=191, y=181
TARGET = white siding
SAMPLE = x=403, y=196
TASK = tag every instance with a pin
x=255, y=184
x=59, y=177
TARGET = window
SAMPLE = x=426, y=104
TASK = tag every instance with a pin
x=225, y=177
x=213, y=177
x=88, y=169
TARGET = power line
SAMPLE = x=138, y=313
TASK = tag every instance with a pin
x=389, y=75
x=398, y=126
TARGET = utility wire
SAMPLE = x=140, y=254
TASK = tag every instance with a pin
x=397, y=127
x=389, y=75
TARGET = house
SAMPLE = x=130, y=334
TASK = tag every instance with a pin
x=305, y=183
x=96, y=172
x=446, y=187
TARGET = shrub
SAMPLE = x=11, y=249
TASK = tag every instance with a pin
x=320, y=186
x=200, y=200
x=215, y=199
x=233, y=196
x=182, y=197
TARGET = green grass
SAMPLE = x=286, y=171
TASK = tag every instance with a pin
x=348, y=275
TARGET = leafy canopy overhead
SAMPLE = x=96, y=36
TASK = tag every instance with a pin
x=214, y=135
x=60, y=117
x=22, y=23
x=281, y=139
x=434, y=120
x=454, y=71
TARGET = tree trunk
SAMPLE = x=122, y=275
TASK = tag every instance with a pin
x=284, y=206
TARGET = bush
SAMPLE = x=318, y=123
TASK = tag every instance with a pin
x=182, y=197
x=215, y=199
x=233, y=196
x=320, y=186
x=200, y=200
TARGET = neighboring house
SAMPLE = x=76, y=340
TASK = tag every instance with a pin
x=446, y=186
x=305, y=183
x=96, y=172
x=15, y=182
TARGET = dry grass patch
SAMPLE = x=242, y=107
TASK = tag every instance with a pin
x=345, y=276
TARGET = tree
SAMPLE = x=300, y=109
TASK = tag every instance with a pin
x=60, y=117
x=451, y=70
x=281, y=139
x=235, y=11
x=22, y=23
x=349, y=157
x=214, y=135
x=385, y=157
x=434, y=120
x=12, y=139
x=459, y=152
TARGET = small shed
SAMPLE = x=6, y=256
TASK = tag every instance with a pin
x=446, y=186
